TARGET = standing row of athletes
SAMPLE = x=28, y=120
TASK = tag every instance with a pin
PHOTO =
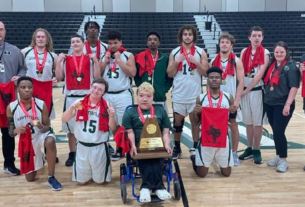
x=184, y=68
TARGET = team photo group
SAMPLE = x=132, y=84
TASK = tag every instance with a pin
x=110, y=91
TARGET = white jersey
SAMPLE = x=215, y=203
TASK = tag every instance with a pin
x=88, y=131
x=30, y=62
x=225, y=103
x=79, y=92
x=249, y=77
x=104, y=47
x=20, y=119
x=186, y=84
x=231, y=81
x=118, y=80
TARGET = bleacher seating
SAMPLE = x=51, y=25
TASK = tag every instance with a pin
x=278, y=26
x=21, y=25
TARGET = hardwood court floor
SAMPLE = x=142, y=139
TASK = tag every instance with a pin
x=249, y=185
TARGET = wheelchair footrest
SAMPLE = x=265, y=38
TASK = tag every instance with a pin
x=155, y=199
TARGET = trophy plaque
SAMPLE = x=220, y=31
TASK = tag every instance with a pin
x=151, y=144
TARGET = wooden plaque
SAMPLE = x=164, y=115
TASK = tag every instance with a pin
x=151, y=144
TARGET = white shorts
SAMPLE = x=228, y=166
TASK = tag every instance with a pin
x=120, y=101
x=68, y=127
x=52, y=113
x=252, y=108
x=206, y=155
x=183, y=109
x=92, y=162
x=38, y=146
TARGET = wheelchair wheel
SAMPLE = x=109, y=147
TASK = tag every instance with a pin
x=177, y=190
x=123, y=193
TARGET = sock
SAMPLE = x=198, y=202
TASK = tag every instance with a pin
x=177, y=145
x=195, y=145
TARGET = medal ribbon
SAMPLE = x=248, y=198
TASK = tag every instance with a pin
x=152, y=113
x=40, y=66
x=98, y=49
x=113, y=67
x=219, y=100
x=275, y=78
x=186, y=57
x=34, y=112
x=155, y=59
x=80, y=66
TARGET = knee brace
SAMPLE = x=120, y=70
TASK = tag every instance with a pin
x=178, y=128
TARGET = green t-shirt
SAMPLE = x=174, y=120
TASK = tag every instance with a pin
x=131, y=120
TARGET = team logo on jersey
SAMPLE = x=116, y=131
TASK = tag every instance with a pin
x=6, y=98
x=215, y=133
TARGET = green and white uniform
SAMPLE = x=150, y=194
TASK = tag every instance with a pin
x=20, y=119
x=92, y=154
x=205, y=155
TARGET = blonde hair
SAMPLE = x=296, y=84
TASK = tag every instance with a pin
x=49, y=45
x=146, y=87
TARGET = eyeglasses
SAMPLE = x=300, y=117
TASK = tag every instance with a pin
x=2, y=29
x=97, y=89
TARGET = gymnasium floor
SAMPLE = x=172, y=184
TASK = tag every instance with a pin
x=249, y=185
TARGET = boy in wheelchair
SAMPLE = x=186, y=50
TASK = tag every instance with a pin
x=133, y=119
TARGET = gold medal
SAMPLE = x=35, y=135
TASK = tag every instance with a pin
x=79, y=79
x=223, y=82
x=35, y=122
x=149, y=78
x=271, y=88
x=80, y=107
x=39, y=75
x=192, y=72
x=151, y=129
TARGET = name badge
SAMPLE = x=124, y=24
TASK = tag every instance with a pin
x=2, y=68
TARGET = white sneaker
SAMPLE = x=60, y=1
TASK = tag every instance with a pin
x=145, y=195
x=282, y=166
x=163, y=194
x=274, y=161
x=192, y=152
x=235, y=159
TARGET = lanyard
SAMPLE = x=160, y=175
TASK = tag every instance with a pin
x=2, y=52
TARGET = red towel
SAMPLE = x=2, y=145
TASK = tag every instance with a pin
x=82, y=114
x=43, y=90
x=146, y=62
x=71, y=75
x=230, y=68
x=121, y=140
x=7, y=96
x=26, y=152
x=258, y=59
x=192, y=52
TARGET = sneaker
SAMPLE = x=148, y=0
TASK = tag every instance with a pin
x=111, y=150
x=257, y=158
x=176, y=153
x=192, y=152
x=145, y=195
x=235, y=159
x=163, y=194
x=274, y=161
x=247, y=154
x=54, y=184
x=282, y=166
x=11, y=170
x=116, y=157
x=70, y=159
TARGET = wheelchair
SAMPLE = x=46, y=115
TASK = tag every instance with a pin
x=129, y=171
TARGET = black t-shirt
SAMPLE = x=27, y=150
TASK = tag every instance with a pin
x=289, y=77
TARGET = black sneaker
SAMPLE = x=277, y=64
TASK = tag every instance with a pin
x=248, y=154
x=117, y=156
x=176, y=153
x=11, y=170
x=70, y=159
x=257, y=158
